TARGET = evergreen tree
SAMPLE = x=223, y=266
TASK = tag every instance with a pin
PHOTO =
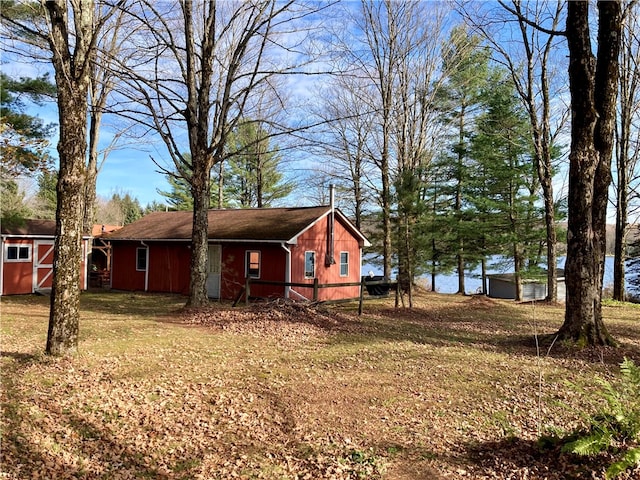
x=120, y=209
x=179, y=196
x=459, y=100
x=23, y=137
x=130, y=207
x=504, y=186
x=13, y=209
x=154, y=206
x=255, y=178
x=47, y=195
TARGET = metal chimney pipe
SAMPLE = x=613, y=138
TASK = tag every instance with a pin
x=329, y=257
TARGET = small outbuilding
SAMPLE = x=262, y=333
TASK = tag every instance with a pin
x=275, y=245
x=503, y=285
x=27, y=257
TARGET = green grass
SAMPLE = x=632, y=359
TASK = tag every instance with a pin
x=454, y=385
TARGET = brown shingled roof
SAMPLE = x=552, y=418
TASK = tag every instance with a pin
x=264, y=224
x=30, y=228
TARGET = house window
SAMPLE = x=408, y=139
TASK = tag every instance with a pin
x=252, y=264
x=17, y=253
x=309, y=264
x=344, y=264
x=141, y=259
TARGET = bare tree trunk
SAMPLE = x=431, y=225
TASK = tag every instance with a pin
x=593, y=84
x=200, y=189
x=625, y=160
x=220, y=200
x=64, y=316
x=458, y=201
x=518, y=263
x=620, y=248
x=72, y=73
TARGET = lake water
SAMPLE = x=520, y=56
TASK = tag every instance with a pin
x=472, y=280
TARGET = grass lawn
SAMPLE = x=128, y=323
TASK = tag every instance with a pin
x=454, y=388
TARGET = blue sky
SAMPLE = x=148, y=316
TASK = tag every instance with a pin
x=127, y=169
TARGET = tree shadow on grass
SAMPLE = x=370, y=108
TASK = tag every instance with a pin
x=136, y=304
x=517, y=458
x=484, y=324
x=24, y=452
x=20, y=357
x=476, y=321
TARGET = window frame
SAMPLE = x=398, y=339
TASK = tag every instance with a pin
x=313, y=258
x=247, y=264
x=19, y=247
x=138, y=258
x=344, y=264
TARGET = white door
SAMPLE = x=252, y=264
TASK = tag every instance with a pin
x=214, y=264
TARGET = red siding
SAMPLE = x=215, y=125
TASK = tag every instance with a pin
x=169, y=264
x=272, y=268
x=314, y=239
x=168, y=267
x=17, y=277
x=124, y=275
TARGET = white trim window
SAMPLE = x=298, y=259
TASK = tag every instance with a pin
x=252, y=264
x=141, y=259
x=344, y=264
x=309, y=264
x=17, y=252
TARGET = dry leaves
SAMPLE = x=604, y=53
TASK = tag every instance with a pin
x=287, y=391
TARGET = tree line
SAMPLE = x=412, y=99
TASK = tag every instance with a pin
x=445, y=129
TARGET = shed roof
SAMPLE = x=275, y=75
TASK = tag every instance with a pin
x=30, y=228
x=37, y=228
x=511, y=277
x=251, y=224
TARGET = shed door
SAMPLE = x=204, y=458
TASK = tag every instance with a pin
x=43, y=264
x=213, y=271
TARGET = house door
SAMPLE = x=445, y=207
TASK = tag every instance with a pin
x=43, y=264
x=214, y=265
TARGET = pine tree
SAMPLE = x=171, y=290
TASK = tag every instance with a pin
x=178, y=197
x=255, y=177
x=23, y=137
x=459, y=101
x=47, y=195
x=504, y=187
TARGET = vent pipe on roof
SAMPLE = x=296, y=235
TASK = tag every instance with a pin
x=329, y=257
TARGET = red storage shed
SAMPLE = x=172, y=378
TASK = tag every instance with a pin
x=27, y=257
x=290, y=245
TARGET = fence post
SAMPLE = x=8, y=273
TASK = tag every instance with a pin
x=361, y=296
x=315, y=289
x=398, y=294
x=247, y=290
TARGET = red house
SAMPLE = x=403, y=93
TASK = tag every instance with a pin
x=27, y=257
x=288, y=245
